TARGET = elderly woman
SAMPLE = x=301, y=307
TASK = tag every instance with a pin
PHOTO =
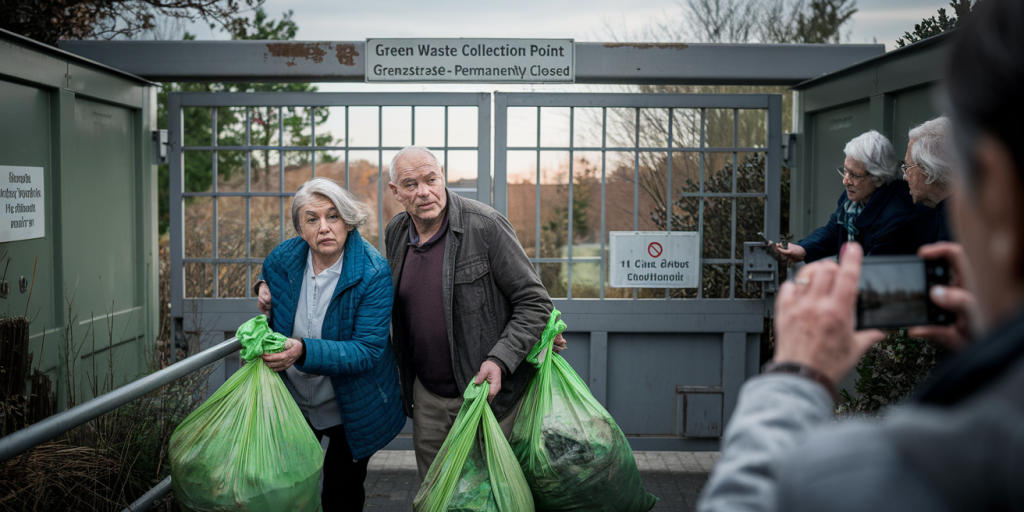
x=875, y=209
x=332, y=296
x=928, y=169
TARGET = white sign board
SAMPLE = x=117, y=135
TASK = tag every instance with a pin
x=654, y=259
x=22, y=207
x=471, y=60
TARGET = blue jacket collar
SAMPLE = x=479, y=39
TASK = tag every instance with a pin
x=895, y=190
x=351, y=270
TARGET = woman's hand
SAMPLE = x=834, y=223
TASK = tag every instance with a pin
x=814, y=317
x=263, y=301
x=956, y=298
x=793, y=252
x=280, y=361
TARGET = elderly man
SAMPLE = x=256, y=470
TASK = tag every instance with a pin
x=875, y=209
x=928, y=170
x=468, y=302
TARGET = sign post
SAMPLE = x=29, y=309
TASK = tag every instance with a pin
x=471, y=60
x=22, y=205
x=654, y=259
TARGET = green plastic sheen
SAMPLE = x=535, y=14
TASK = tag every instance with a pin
x=475, y=470
x=248, y=448
x=571, y=451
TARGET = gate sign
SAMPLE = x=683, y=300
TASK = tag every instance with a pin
x=654, y=259
x=471, y=60
x=21, y=203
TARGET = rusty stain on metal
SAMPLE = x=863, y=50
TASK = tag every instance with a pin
x=648, y=46
x=346, y=54
x=293, y=51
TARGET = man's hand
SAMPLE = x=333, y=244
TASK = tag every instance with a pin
x=560, y=343
x=793, y=253
x=814, y=317
x=956, y=298
x=280, y=361
x=492, y=374
x=263, y=301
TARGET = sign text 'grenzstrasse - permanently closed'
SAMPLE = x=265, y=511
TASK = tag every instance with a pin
x=654, y=259
x=470, y=60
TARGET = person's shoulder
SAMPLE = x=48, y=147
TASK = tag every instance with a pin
x=285, y=251
x=476, y=214
x=396, y=221
x=374, y=259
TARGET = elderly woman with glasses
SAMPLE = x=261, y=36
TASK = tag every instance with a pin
x=928, y=169
x=875, y=210
x=332, y=296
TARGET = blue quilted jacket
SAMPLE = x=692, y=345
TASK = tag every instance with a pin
x=355, y=351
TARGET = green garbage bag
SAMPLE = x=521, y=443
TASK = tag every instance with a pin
x=247, y=448
x=475, y=470
x=572, y=453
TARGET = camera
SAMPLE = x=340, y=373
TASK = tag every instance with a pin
x=893, y=292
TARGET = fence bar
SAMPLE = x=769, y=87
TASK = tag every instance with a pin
x=19, y=442
x=147, y=500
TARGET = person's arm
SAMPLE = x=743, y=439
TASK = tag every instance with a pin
x=823, y=241
x=518, y=282
x=773, y=414
x=814, y=331
x=369, y=334
x=895, y=236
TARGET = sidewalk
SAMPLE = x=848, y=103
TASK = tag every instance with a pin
x=674, y=477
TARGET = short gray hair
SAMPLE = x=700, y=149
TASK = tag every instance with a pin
x=874, y=151
x=354, y=213
x=933, y=150
x=410, y=149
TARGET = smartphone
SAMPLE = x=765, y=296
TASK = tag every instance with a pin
x=894, y=292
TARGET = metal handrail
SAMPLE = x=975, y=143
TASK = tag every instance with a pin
x=147, y=500
x=21, y=441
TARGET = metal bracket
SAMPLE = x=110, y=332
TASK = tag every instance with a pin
x=789, y=141
x=160, y=145
x=758, y=265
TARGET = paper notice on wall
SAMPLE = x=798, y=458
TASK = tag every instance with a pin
x=22, y=205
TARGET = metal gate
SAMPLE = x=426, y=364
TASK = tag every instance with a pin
x=568, y=168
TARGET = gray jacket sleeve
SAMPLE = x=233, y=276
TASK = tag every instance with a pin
x=773, y=414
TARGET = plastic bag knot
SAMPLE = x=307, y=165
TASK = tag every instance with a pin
x=257, y=339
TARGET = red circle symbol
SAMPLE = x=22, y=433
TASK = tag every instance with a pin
x=654, y=249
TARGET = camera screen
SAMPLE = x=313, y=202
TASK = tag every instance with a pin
x=893, y=294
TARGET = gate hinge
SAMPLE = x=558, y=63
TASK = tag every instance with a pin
x=160, y=145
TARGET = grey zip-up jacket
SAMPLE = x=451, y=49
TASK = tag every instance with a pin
x=494, y=302
x=959, y=445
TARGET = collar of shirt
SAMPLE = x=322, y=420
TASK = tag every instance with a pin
x=414, y=237
x=334, y=269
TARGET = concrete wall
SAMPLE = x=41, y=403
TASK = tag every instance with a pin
x=89, y=128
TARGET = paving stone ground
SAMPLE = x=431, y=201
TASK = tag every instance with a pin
x=674, y=477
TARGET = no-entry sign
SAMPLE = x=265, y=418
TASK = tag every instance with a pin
x=654, y=259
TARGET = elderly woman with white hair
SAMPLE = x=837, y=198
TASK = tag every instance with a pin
x=875, y=209
x=928, y=169
x=332, y=296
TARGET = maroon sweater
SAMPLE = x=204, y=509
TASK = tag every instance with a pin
x=421, y=308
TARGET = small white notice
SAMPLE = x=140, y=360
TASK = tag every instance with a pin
x=471, y=60
x=654, y=259
x=22, y=208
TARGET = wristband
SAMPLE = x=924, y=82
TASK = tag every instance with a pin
x=803, y=371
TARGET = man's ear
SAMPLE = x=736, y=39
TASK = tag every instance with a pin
x=998, y=190
x=394, y=189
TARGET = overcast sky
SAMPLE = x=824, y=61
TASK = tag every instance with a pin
x=332, y=20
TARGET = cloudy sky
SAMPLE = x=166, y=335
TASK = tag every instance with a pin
x=879, y=21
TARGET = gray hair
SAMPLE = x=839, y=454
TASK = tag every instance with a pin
x=354, y=213
x=933, y=150
x=874, y=151
x=410, y=149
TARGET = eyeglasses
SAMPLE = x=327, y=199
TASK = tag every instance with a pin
x=844, y=172
x=906, y=168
